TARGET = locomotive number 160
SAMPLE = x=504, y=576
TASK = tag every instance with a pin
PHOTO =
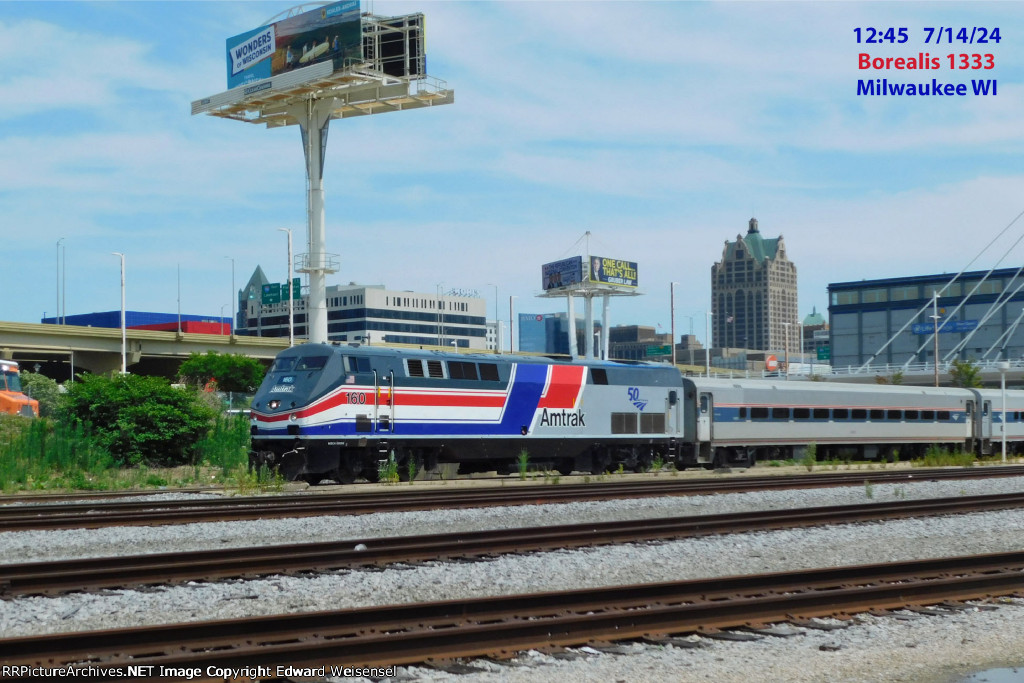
x=356, y=397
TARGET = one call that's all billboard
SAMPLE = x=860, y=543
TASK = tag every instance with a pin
x=609, y=271
x=562, y=273
x=332, y=32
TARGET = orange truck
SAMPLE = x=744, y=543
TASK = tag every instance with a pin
x=12, y=401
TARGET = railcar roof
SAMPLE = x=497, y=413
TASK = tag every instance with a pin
x=824, y=387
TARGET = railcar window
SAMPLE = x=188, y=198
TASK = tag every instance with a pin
x=780, y=413
x=743, y=413
x=821, y=413
x=858, y=414
x=652, y=423
x=598, y=376
x=910, y=414
x=489, y=372
x=415, y=367
x=877, y=414
x=312, y=363
x=893, y=415
x=943, y=415
x=801, y=413
x=624, y=423
x=840, y=414
x=458, y=369
x=927, y=414
x=759, y=413
x=283, y=364
x=434, y=369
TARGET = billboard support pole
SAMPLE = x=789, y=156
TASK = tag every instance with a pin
x=605, y=327
x=314, y=118
x=571, y=332
x=589, y=313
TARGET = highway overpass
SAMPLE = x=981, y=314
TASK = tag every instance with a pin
x=60, y=350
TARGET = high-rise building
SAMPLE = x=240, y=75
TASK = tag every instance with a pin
x=753, y=294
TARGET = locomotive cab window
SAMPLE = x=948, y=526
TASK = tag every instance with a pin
x=598, y=376
x=489, y=372
x=461, y=370
x=358, y=364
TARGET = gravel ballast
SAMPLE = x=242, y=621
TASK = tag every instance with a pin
x=873, y=649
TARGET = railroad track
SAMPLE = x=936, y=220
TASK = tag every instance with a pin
x=63, y=576
x=149, y=513
x=501, y=626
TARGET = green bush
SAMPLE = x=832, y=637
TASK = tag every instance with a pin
x=42, y=389
x=139, y=420
x=230, y=372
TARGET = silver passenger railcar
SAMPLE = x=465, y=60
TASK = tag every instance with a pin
x=739, y=421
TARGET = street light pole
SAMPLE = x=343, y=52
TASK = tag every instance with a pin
x=707, y=338
x=234, y=296
x=58, y=279
x=935, y=334
x=124, y=333
x=511, y=325
x=497, y=320
x=672, y=305
x=785, y=326
x=1003, y=367
x=291, y=294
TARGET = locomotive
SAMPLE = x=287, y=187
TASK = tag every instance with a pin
x=330, y=411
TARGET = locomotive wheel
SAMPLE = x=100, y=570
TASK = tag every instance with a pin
x=565, y=467
x=342, y=475
x=293, y=463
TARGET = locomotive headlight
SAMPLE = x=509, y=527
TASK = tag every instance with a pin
x=291, y=418
x=273, y=404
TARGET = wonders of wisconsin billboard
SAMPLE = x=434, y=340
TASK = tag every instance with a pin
x=332, y=32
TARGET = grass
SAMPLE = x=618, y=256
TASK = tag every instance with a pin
x=387, y=470
x=523, y=463
x=46, y=454
x=937, y=456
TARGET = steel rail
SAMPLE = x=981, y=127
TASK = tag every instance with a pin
x=95, y=515
x=62, y=576
x=414, y=633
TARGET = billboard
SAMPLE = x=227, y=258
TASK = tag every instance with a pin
x=609, y=271
x=562, y=273
x=332, y=32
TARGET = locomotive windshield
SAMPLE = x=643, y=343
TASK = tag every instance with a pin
x=291, y=363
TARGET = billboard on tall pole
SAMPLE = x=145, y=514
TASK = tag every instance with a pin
x=332, y=32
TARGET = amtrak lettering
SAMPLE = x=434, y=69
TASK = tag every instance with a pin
x=562, y=418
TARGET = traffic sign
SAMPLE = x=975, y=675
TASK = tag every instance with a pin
x=771, y=363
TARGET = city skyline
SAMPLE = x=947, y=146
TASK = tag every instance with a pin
x=662, y=145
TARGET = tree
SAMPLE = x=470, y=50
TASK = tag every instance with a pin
x=230, y=372
x=42, y=389
x=139, y=420
x=965, y=374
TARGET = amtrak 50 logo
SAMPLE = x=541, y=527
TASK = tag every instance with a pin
x=634, y=398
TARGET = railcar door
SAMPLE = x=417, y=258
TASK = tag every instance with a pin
x=384, y=402
x=986, y=427
x=705, y=425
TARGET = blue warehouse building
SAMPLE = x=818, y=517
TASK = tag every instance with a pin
x=980, y=318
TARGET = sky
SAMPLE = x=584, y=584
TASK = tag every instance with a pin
x=660, y=128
